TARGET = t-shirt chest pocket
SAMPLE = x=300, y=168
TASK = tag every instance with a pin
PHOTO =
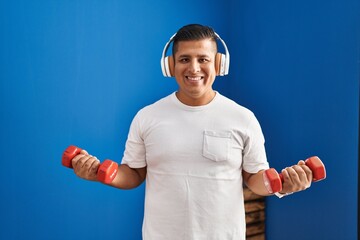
x=216, y=145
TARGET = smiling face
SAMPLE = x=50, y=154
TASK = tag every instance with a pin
x=195, y=71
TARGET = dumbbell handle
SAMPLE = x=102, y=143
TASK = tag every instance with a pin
x=106, y=172
x=273, y=180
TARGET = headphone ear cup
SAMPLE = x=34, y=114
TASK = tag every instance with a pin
x=171, y=66
x=218, y=64
x=167, y=66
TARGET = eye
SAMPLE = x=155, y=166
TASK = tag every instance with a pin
x=204, y=60
x=183, y=60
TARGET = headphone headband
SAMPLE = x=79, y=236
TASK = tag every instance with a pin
x=222, y=64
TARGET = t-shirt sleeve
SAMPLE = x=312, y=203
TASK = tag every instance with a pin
x=135, y=153
x=254, y=154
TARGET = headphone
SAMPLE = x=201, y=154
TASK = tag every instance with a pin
x=222, y=61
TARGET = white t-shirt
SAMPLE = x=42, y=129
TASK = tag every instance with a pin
x=194, y=158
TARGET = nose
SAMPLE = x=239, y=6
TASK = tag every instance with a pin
x=194, y=66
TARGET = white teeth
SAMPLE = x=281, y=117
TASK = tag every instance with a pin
x=194, y=78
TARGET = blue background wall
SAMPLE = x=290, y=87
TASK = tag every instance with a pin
x=76, y=72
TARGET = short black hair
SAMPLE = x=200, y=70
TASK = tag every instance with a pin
x=193, y=32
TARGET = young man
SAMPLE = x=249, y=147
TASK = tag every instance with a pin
x=195, y=148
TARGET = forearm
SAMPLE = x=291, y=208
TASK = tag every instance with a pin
x=128, y=178
x=295, y=178
x=255, y=182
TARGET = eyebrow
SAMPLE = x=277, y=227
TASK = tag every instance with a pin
x=199, y=55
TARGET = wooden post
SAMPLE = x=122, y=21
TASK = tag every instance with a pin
x=255, y=215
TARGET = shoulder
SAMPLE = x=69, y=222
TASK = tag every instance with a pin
x=230, y=105
x=159, y=106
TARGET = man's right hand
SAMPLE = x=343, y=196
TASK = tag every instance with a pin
x=86, y=166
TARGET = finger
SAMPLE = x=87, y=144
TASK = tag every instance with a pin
x=85, y=162
x=293, y=175
x=308, y=172
x=83, y=167
x=84, y=152
x=285, y=175
x=76, y=159
x=301, y=162
x=300, y=172
x=94, y=166
x=289, y=184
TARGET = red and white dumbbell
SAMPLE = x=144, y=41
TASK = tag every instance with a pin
x=273, y=180
x=106, y=171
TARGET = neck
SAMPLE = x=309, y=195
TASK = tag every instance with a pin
x=196, y=101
